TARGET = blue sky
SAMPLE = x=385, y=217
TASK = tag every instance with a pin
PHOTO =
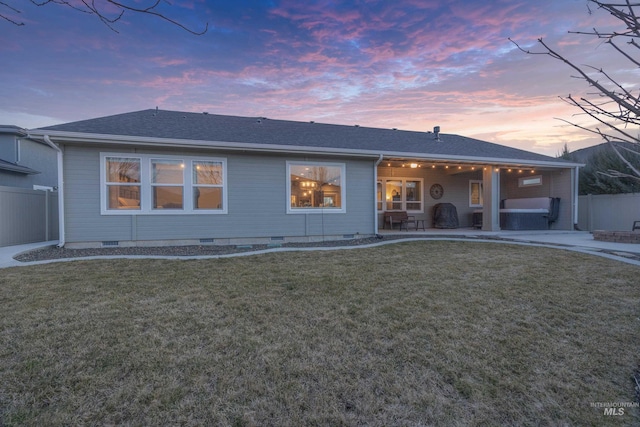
x=407, y=64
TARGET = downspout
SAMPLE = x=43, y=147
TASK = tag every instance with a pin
x=50, y=143
x=576, y=189
x=375, y=194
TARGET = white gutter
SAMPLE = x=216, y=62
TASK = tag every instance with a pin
x=60, y=191
x=375, y=194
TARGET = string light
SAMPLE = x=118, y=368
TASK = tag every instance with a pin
x=463, y=167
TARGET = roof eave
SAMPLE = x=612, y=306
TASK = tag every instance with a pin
x=13, y=130
x=77, y=137
x=484, y=160
x=18, y=169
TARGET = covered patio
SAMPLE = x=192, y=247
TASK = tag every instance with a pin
x=476, y=191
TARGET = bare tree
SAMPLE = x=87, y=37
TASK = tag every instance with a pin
x=613, y=104
x=100, y=9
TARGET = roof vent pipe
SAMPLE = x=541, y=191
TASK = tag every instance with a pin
x=436, y=131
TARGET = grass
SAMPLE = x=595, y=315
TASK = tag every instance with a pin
x=415, y=333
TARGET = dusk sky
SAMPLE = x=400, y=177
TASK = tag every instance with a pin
x=406, y=64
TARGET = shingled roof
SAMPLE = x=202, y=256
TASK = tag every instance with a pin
x=213, y=128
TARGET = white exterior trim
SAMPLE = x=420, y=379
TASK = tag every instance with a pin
x=343, y=189
x=146, y=185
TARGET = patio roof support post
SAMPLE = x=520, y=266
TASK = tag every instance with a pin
x=375, y=194
x=491, y=196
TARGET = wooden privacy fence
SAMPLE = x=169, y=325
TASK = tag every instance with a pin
x=27, y=216
x=608, y=211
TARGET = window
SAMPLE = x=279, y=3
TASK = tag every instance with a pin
x=530, y=181
x=316, y=187
x=394, y=195
x=207, y=185
x=153, y=184
x=401, y=194
x=122, y=183
x=414, y=195
x=167, y=184
x=476, y=198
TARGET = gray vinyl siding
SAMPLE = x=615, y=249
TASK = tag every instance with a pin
x=83, y=221
x=561, y=187
x=257, y=202
x=33, y=155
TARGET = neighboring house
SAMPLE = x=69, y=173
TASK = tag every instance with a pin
x=25, y=163
x=27, y=166
x=165, y=177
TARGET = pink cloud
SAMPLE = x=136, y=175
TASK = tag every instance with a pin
x=166, y=62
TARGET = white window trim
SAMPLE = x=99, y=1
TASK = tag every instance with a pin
x=383, y=180
x=146, y=186
x=343, y=189
x=476, y=205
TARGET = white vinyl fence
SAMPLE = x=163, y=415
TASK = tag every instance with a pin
x=27, y=216
x=612, y=212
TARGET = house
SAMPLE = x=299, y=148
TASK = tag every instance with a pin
x=27, y=167
x=25, y=163
x=166, y=177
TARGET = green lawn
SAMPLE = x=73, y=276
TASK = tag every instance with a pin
x=414, y=333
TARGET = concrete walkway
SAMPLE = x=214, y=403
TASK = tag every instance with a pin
x=578, y=241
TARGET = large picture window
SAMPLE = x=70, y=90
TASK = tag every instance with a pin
x=400, y=194
x=316, y=187
x=154, y=184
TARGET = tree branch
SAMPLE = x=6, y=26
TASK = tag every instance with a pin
x=90, y=7
x=150, y=10
x=625, y=161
